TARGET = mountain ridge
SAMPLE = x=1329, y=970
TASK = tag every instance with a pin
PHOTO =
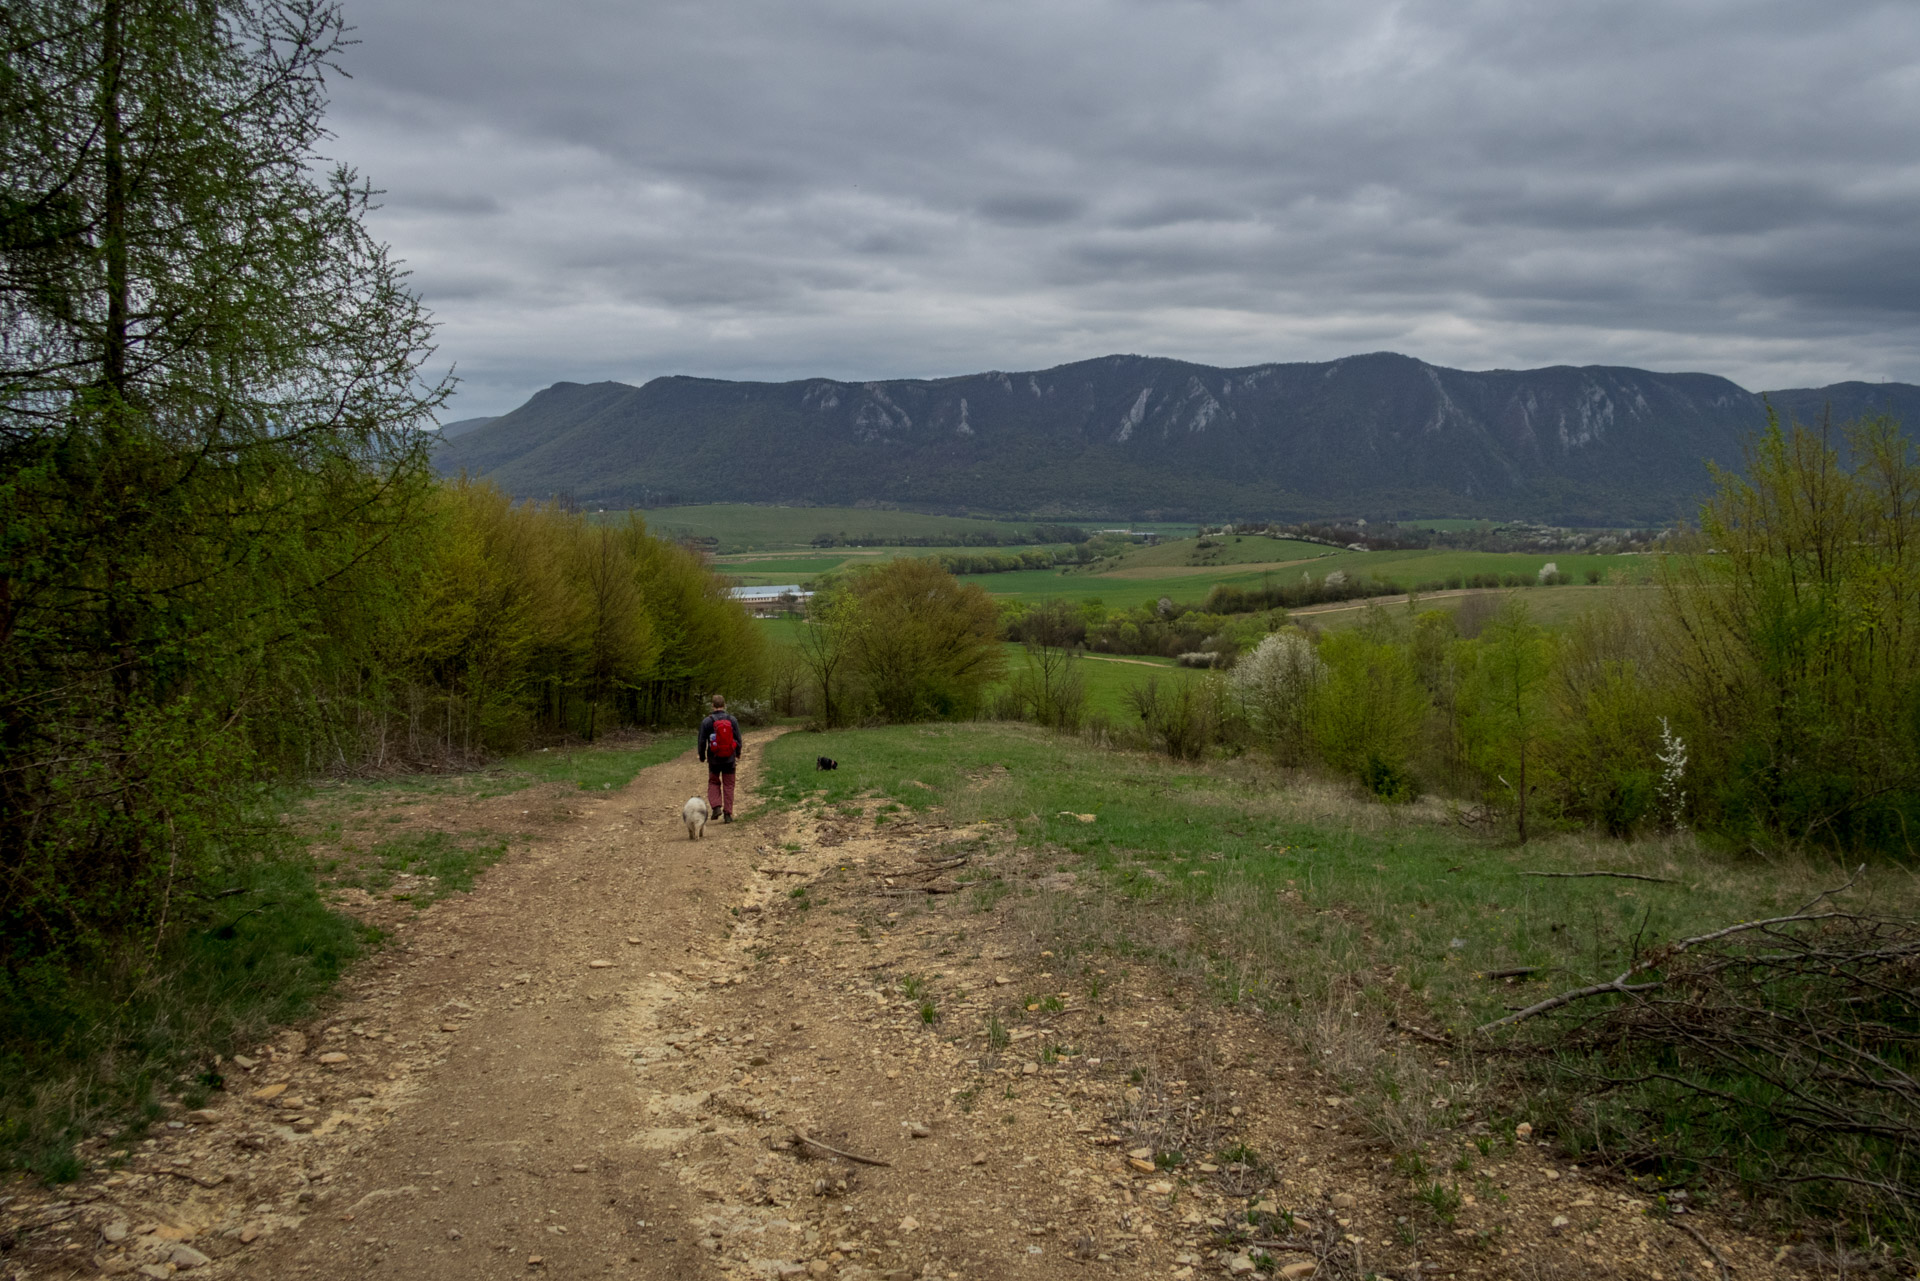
x=1143, y=437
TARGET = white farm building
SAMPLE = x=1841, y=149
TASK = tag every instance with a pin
x=764, y=602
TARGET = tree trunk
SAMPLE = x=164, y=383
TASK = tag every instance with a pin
x=114, y=200
x=1523, y=793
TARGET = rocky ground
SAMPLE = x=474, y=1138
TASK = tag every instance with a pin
x=822, y=1044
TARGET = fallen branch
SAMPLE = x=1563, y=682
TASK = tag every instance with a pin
x=1512, y=972
x=1623, y=876
x=925, y=869
x=1713, y=1252
x=801, y=1136
x=1619, y=983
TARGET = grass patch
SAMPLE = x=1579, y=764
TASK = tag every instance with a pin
x=591, y=769
x=91, y=1049
x=1346, y=920
x=423, y=866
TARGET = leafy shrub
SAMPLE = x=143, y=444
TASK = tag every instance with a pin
x=1368, y=714
x=1276, y=685
x=1181, y=718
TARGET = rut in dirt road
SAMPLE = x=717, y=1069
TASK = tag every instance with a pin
x=517, y=1146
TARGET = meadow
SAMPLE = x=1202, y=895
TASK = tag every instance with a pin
x=1381, y=936
x=1130, y=584
x=760, y=546
x=749, y=527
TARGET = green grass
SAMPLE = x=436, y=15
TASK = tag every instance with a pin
x=744, y=527
x=1226, y=549
x=759, y=571
x=434, y=864
x=1405, y=887
x=1343, y=920
x=89, y=1049
x=1555, y=607
x=1125, y=588
x=1109, y=678
x=591, y=769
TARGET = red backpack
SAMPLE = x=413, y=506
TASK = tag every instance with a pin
x=723, y=742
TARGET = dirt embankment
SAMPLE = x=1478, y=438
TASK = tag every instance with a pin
x=828, y=1045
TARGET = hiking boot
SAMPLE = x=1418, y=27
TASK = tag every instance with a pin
x=727, y=819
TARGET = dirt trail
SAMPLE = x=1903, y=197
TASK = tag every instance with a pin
x=596, y=1063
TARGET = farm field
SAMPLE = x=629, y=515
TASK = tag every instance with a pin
x=755, y=570
x=1230, y=549
x=748, y=527
x=1108, y=677
x=1554, y=607
x=1132, y=581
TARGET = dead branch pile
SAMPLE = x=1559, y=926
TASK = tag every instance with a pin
x=1786, y=1052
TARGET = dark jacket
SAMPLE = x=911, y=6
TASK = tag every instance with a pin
x=720, y=763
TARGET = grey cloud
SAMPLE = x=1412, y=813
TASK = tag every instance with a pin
x=590, y=188
x=1031, y=209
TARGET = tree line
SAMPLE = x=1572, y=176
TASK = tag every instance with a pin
x=1768, y=694
x=224, y=559
x=1766, y=690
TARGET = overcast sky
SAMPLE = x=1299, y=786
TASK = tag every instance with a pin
x=592, y=189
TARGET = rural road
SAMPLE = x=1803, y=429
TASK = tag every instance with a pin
x=526, y=1143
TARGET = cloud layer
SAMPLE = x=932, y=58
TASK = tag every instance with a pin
x=592, y=189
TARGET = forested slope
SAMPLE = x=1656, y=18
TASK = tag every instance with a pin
x=1130, y=436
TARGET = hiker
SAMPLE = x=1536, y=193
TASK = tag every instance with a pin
x=719, y=747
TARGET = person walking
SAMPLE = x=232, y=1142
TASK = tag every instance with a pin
x=719, y=746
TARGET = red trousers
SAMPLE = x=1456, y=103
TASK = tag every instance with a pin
x=720, y=792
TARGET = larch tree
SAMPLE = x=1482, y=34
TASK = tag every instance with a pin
x=210, y=393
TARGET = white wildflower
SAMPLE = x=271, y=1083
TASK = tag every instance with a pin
x=1673, y=771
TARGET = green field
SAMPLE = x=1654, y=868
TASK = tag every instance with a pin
x=1152, y=573
x=1229, y=549
x=745, y=527
x=770, y=545
x=1108, y=678
x=1554, y=607
x=799, y=566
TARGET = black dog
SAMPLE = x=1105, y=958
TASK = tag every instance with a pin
x=825, y=762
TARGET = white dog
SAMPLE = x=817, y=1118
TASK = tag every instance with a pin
x=695, y=814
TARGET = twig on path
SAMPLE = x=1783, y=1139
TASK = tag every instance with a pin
x=1622, y=876
x=932, y=868
x=1719, y=1259
x=801, y=1136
